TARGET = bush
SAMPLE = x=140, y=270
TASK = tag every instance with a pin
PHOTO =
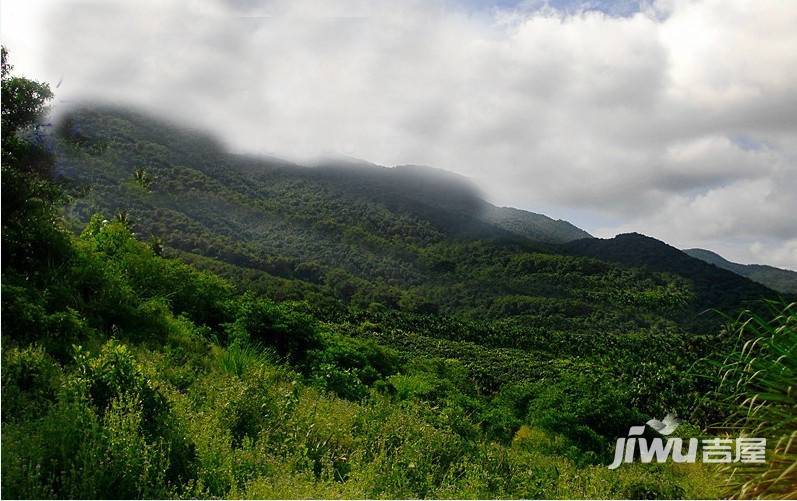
x=113, y=375
x=290, y=331
x=30, y=382
x=590, y=412
x=348, y=366
x=73, y=452
x=201, y=296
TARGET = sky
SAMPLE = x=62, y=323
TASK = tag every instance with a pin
x=676, y=119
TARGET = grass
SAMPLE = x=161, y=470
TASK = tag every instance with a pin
x=760, y=379
x=240, y=356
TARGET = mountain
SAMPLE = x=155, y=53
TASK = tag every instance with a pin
x=361, y=318
x=411, y=238
x=449, y=202
x=775, y=278
x=534, y=226
x=179, y=321
x=713, y=288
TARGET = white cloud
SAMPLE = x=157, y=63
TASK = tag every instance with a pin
x=783, y=255
x=678, y=121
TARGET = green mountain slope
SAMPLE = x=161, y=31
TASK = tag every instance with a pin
x=449, y=202
x=775, y=278
x=455, y=193
x=408, y=252
x=714, y=288
x=534, y=226
x=411, y=238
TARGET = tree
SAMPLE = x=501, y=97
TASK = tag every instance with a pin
x=24, y=103
x=6, y=66
x=30, y=221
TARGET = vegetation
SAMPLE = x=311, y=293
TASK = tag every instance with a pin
x=775, y=278
x=316, y=337
x=758, y=381
x=409, y=238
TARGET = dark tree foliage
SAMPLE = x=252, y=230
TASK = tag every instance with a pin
x=24, y=104
x=30, y=225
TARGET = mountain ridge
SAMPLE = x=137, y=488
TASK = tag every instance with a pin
x=778, y=279
x=713, y=285
x=428, y=185
x=407, y=237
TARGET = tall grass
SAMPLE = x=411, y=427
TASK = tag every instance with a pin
x=759, y=381
x=240, y=356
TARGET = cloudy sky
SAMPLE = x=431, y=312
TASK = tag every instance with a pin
x=675, y=119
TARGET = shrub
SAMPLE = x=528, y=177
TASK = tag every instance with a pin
x=114, y=374
x=344, y=382
x=290, y=331
x=74, y=452
x=201, y=296
x=590, y=412
x=30, y=382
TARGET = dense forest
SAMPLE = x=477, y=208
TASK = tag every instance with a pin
x=179, y=321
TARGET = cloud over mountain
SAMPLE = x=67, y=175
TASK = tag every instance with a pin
x=677, y=120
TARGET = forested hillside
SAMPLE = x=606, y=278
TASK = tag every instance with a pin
x=413, y=252
x=714, y=288
x=183, y=322
x=775, y=278
x=411, y=238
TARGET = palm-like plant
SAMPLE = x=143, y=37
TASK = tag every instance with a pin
x=143, y=178
x=759, y=380
x=123, y=217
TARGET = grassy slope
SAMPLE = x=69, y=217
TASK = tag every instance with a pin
x=204, y=404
